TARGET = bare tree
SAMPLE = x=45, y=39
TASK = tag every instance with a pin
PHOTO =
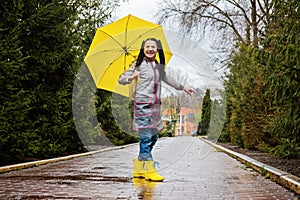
x=230, y=21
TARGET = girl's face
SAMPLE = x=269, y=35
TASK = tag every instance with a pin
x=150, y=49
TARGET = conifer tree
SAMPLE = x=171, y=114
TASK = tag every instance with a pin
x=263, y=87
x=206, y=113
x=42, y=44
x=282, y=67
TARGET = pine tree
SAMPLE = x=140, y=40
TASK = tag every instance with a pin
x=263, y=87
x=282, y=58
x=206, y=113
x=42, y=44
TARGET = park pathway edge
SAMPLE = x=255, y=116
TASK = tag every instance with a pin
x=21, y=166
x=283, y=178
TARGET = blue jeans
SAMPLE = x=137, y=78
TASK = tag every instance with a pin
x=148, y=138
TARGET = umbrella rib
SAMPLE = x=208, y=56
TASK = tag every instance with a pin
x=125, y=40
x=113, y=39
x=113, y=62
x=109, y=50
x=122, y=53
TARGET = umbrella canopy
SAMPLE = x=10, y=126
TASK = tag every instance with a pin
x=115, y=46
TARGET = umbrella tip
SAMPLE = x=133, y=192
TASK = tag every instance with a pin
x=125, y=50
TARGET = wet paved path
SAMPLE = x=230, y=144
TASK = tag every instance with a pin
x=192, y=169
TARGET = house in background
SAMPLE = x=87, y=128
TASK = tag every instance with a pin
x=185, y=124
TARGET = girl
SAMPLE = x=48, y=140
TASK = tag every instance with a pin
x=147, y=119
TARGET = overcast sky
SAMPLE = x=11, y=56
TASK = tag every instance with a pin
x=144, y=9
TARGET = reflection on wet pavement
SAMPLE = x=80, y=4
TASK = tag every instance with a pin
x=146, y=189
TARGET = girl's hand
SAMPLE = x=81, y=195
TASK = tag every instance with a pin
x=134, y=75
x=189, y=90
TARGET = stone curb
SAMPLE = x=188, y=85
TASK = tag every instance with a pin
x=53, y=160
x=283, y=178
x=21, y=166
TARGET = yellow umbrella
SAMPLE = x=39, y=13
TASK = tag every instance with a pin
x=115, y=46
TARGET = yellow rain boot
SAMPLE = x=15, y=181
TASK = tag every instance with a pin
x=138, y=169
x=151, y=173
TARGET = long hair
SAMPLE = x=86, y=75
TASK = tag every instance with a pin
x=161, y=54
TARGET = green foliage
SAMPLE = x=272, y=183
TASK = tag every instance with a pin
x=172, y=106
x=42, y=45
x=286, y=149
x=245, y=100
x=217, y=120
x=263, y=87
x=206, y=113
x=283, y=63
x=167, y=131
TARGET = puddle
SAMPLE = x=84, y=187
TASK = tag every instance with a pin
x=95, y=168
x=68, y=179
x=146, y=189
